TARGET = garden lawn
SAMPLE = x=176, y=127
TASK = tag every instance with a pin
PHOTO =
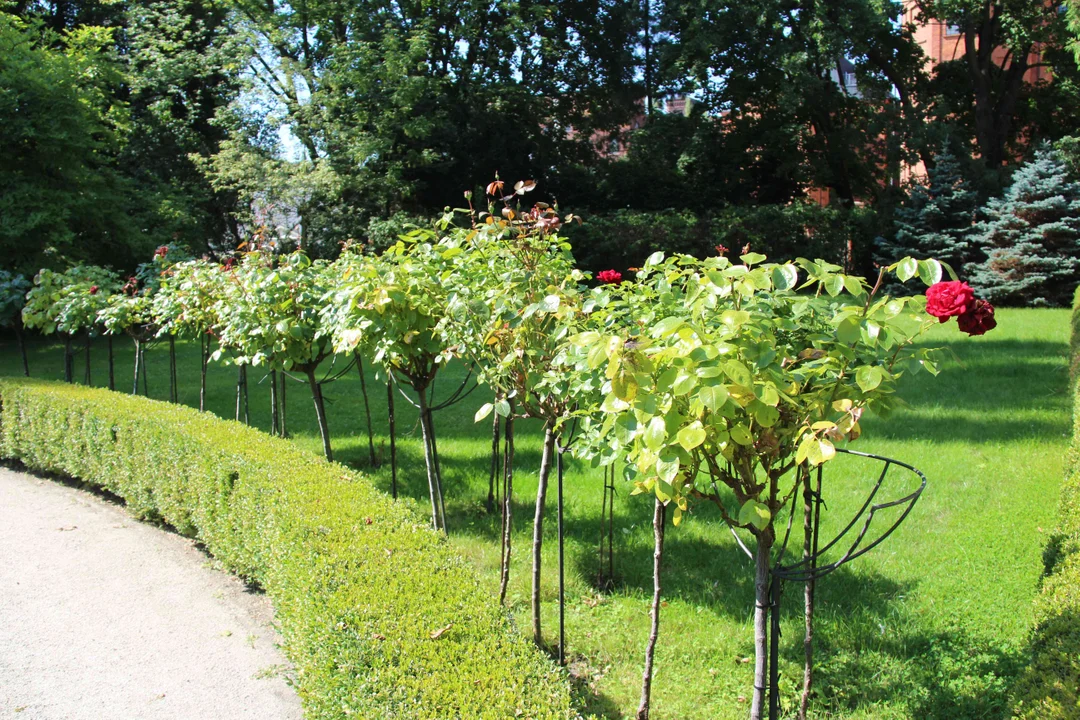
x=931, y=624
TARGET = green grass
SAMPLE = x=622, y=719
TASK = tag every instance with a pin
x=932, y=624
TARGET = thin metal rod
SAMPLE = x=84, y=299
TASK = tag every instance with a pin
x=562, y=560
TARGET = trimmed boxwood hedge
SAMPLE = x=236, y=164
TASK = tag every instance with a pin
x=1050, y=686
x=360, y=585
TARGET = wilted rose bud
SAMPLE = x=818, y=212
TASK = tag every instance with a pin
x=93, y=289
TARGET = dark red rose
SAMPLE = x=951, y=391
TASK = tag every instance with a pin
x=93, y=289
x=949, y=299
x=978, y=319
x=162, y=251
x=609, y=276
x=230, y=263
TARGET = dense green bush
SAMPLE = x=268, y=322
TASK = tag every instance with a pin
x=381, y=618
x=1050, y=687
x=625, y=238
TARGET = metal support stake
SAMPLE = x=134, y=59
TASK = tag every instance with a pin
x=562, y=577
x=774, y=648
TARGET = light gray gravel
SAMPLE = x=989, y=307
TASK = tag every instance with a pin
x=106, y=618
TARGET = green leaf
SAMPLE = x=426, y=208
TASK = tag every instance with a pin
x=483, y=412
x=502, y=408
x=739, y=373
x=906, y=269
x=767, y=416
x=755, y=514
x=784, y=277
x=656, y=434
x=930, y=271
x=741, y=434
x=624, y=386
x=713, y=397
x=684, y=383
x=849, y=331
x=667, y=469
x=667, y=326
x=834, y=284
x=655, y=259
x=691, y=436
x=752, y=258
x=868, y=377
x=550, y=303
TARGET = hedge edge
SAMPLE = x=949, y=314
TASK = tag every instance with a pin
x=1049, y=689
x=380, y=616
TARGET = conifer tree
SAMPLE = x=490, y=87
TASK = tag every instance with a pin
x=1029, y=241
x=936, y=218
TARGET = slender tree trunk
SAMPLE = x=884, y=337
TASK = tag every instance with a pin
x=283, y=405
x=538, y=528
x=393, y=435
x=437, y=464
x=174, y=390
x=22, y=347
x=86, y=375
x=204, y=360
x=112, y=366
x=138, y=358
x=761, y=621
x=494, y=463
x=145, y=374
x=367, y=410
x=429, y=461
x=320, y=413
x=275, y=426
x=508, y=503
x=244, y=385
x=654, y=630
x=69, y=370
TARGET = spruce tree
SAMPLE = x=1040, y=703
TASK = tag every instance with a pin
x=1029, y=241
x=935, y=219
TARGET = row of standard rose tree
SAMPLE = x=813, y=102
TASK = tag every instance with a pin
x=719, y=380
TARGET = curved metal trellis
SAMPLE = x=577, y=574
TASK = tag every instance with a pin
x=808, y=569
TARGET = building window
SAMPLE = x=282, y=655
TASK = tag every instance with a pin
x=952, y=29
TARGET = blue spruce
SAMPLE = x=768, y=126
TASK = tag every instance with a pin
x=935, y=219
x=1029, y=241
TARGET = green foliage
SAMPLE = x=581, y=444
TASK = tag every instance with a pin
x=379, y=615
x=186, y=304
x=269, y=311
x=725, y=373
x=70, y=302
x=388, y=307
x=625, y=238
x=59, y=195
x=13, y=289
x=936, y=217
x=1030, y=240
x=1049, y=689
x=513, y=294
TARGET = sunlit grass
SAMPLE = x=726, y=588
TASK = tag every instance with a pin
x=931, y=624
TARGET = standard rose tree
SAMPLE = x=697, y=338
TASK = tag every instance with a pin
x=741, y=376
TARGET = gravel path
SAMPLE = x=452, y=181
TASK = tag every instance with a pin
x=106, y=618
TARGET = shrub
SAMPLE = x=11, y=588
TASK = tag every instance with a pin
x=626, y=238
x=1050, y=687
x=361, y=588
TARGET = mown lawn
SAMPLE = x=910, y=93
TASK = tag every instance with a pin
x=931, y=624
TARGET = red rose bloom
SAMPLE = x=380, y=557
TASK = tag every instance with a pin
x=161, y=251
x=978, y=319
x=93, y=289
x=609, y=276
x=949, y=299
